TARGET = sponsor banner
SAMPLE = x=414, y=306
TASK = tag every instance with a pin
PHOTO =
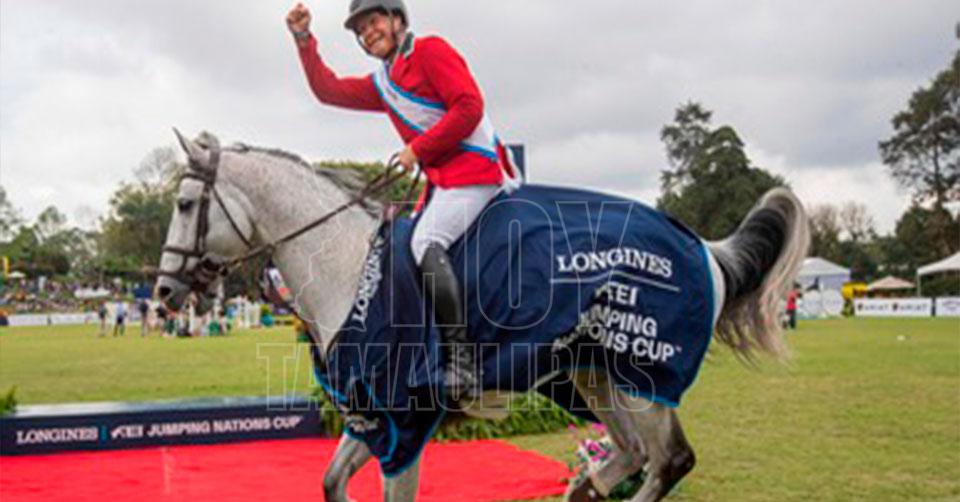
x=948, y=307
x=818, y=304
x=110, y=426
x=52, y=319
x=893, y=307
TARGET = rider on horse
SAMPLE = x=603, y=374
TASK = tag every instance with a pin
x=432, y=99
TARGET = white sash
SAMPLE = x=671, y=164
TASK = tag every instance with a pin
x=421, y=114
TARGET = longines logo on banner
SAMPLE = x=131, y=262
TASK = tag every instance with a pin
x=57, y=435
x=134, y=431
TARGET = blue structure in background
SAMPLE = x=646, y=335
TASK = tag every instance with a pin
x=518, y=150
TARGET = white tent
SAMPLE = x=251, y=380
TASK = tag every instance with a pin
x=946, y=265
x=822, y=274
x=950, y=264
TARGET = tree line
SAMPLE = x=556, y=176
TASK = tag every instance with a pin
x=711, y=184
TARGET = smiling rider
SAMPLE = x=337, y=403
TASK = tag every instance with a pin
x=432, y=99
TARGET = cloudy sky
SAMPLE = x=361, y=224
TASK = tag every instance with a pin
x=88, y=87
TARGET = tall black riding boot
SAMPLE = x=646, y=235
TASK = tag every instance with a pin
x=443, y=288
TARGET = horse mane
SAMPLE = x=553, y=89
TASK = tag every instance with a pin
x=347, y=179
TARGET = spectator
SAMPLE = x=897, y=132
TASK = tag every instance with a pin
x=792, y=298
x=119, y=329
x=144, y=316
x=102, y=313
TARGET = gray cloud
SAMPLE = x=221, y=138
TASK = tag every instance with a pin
x=87, y=88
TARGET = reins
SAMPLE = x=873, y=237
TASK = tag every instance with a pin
x=376, y=186
x=206, y=270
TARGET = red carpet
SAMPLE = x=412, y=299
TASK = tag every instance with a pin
x=273, y=470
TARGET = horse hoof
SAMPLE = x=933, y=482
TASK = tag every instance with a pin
x=584, y=492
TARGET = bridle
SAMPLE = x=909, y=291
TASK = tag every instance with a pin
x=208, y=268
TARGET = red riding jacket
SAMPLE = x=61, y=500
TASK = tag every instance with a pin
x=426, y=69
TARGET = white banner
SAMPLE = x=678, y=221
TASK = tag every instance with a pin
x=893, y=307
x=948, y=306
x=52, y=319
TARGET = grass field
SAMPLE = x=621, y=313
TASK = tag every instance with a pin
x=69, y=364
x=867, y=410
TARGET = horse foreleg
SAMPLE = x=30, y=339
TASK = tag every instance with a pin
x=350, y=456
x=670, y=456
x=626, y=459
x=403, y=487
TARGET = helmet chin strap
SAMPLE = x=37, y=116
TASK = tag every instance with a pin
x=396, y=41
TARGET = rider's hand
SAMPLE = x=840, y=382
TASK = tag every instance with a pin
x=407, y=158
x=298, y=20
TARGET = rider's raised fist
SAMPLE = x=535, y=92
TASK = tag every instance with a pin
x=298, y=20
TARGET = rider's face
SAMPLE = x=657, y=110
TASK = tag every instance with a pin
x=376, y=34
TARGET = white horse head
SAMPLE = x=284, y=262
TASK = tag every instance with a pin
x=211, y=224
x=232, y=202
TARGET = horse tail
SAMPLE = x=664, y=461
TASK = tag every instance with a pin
x=760, y=262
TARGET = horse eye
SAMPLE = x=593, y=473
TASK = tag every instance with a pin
x=184, y=205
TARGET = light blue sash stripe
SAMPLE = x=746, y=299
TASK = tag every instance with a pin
x=488, y=153
x=412, y=97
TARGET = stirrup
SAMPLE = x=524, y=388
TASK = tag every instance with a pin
x=460, y=375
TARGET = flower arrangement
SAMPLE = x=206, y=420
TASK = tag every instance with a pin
x=594, y=449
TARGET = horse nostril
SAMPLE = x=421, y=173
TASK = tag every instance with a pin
x=164, y=291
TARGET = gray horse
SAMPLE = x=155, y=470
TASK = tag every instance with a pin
x=235, y=199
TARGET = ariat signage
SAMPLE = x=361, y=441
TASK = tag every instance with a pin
x=901, y=307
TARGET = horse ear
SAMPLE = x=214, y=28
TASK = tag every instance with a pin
x=192, y=149
x=198, y=150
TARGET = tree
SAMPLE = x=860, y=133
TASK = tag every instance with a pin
x=684, y=139
x=856, y=221
x=846, y=236
x=825, y=232
x=31, y=255
x=919, y=232
x=49, y=223
x=133, y=233
x=712, y=184
x=159, y=169
x=10, y=218
x=923, y=155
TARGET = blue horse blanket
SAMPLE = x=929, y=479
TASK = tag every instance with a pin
x=554, y=279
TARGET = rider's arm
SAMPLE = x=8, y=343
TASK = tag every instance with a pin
x=448, y=74
x=358, y=93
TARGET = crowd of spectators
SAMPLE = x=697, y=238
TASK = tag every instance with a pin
x=32, y=296
x=28, y=296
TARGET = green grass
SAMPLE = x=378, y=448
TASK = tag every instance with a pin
x=72, y=364
x=858, y=414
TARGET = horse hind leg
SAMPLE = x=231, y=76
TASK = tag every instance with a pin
x=628, y=456
x=670, y=455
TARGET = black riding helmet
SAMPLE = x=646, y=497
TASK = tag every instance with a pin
x=359, y=7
